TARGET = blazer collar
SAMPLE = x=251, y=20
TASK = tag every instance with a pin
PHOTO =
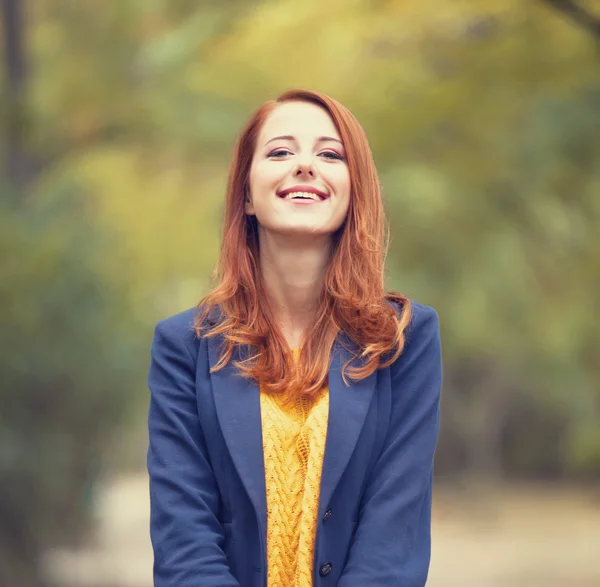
x=237, y=401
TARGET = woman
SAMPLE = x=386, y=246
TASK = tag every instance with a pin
x=294, y=415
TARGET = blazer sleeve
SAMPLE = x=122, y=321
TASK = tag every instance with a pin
x=187, y=538
x=392, y=543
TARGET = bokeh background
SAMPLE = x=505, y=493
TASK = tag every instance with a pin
x=118, y=123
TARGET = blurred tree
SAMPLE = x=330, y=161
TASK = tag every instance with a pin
x=70, y=363
x=68, y=341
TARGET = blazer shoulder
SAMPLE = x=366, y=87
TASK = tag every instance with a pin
x=422, y=339
x=423, y=317
x=420, y=313
x=177, y=329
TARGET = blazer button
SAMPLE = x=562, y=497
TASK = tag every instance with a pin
x=325, y=569
x=327, y=514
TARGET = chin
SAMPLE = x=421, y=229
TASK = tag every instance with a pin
x=305, y=231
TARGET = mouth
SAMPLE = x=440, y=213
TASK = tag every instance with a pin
x=305, y=194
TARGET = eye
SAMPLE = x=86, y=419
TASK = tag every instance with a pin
x=331, y=155
x=278, y=153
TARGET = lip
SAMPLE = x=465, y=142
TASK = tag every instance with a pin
x=303, y=188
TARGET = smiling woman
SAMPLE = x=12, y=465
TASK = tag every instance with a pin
x=290, y=173
x=294, y=413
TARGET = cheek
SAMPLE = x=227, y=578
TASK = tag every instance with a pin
x=345, y=189
x=340, y=180
x=254, y=178
x=264, y=176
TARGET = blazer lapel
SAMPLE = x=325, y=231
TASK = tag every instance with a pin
x=237, y=401
x=348, y=406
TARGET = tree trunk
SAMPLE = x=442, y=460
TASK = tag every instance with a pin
x=577, y=14
x=14, y=107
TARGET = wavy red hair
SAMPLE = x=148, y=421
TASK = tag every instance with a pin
x=353, y=300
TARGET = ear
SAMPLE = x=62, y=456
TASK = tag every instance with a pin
x=248, y=205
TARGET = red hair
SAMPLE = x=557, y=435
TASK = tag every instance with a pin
x=353, y=299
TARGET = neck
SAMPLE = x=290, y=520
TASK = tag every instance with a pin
x=293, y=271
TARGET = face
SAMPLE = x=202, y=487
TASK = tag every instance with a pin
x=299, y=181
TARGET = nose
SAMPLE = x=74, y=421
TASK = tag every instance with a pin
x=304, y=167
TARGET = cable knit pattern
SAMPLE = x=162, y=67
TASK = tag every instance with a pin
x=294, y=445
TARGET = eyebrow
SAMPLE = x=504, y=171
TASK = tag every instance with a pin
x=292, y=138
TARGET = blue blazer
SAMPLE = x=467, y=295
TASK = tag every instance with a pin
x=207, y=484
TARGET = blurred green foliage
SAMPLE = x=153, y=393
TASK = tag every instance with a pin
x=484, y=117
x=70, y=363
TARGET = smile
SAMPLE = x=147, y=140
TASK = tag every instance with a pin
x=303, y=197
x=303, y=193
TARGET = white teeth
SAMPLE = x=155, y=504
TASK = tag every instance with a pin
x=301, y=195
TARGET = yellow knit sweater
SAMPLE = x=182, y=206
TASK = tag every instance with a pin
x=294, y=445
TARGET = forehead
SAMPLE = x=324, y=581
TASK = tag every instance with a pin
x=300, y=119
